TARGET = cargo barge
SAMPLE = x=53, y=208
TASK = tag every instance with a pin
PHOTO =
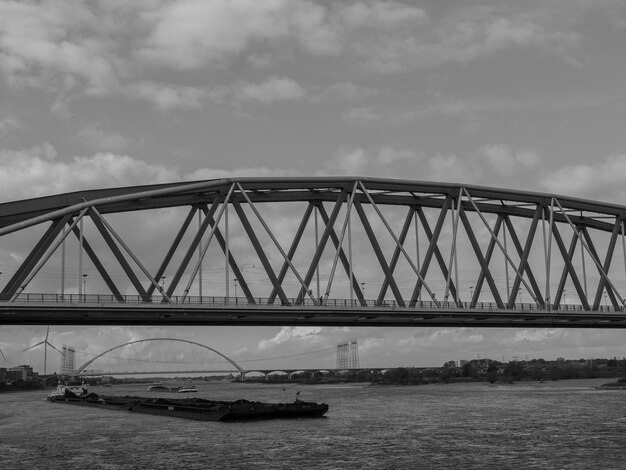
x=195, y=408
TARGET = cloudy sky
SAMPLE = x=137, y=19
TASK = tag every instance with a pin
x=501, y=93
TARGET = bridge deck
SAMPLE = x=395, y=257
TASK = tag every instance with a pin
x=47, y=309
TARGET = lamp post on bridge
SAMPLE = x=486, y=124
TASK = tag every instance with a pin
x=84, y=288
x=235, y=281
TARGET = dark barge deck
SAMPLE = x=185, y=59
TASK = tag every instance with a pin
x=197, y=408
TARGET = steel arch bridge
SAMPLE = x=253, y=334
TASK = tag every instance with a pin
x=82, y=369
x=304, y=251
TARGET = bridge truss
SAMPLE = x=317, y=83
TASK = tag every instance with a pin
x=264, y=251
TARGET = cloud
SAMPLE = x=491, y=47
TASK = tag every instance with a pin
x=505, y=161
x=349, y=161
x=344, y=91
x=300, y=334
x=272, y=90
x=9, y=125
x=46, y=45
x=166, y=97
x=537, y=335
x=488, y=163
x=38, y=172
x=192, y=34
x=214, y=173
x=361, y=115
x=602, y=181
x=95, y=136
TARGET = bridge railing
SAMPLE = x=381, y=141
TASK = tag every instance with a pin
x=243, y=302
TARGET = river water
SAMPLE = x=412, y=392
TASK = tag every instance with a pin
x=555, y=425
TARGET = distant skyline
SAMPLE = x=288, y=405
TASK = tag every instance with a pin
x=526, y=95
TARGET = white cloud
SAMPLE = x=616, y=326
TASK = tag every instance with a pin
x=166, y=97
x=534, y=335
x=272, y=90
x=349, y=161
x=192, y=34
x=300, y=334
x=37, y=172
x=360, y=115
x=505, y=161
x=602, y=181
x=8, y=126
x=44, y=44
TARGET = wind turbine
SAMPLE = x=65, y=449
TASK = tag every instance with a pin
x=45, y=343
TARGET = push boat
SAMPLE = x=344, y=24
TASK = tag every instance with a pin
x=199, y=409
x=78, y=389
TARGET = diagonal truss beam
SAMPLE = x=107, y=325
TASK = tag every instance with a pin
x=524, y=253
x=320, y=247
x=433, y=249
x=488, y=255
x=260, y=253
x=275, y=241
x=389, y=280
x=342, y=255
x=119, y=256
x=191, y=250
x=33, y=258
x=97, y=263
x=292, y=250
x=396, y=255
x=485, y=272
x=231, y=259
x=173, y=247
x=568, y=269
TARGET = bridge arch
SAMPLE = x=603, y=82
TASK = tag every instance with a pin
x=86, y=364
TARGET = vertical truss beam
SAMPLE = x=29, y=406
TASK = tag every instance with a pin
x=339, y=248
x=451, y=287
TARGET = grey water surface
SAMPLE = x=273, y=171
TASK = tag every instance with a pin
x=552, y=425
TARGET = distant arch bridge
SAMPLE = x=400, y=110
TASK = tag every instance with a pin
x=313, y=251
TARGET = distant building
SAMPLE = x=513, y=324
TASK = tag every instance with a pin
x=23, y=372
x=68, y=360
